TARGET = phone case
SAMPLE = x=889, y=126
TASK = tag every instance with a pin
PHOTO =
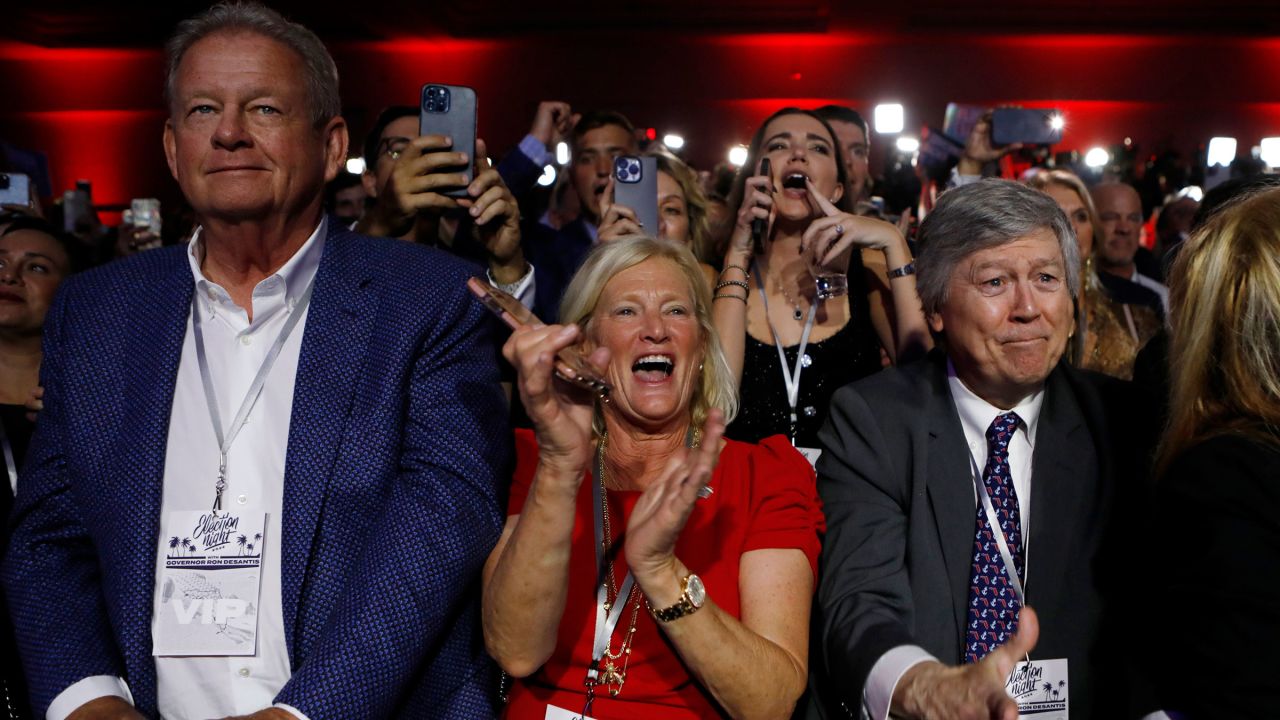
x=1024, y=125
x=635, y=185
x=15, y=189
x=455, y=117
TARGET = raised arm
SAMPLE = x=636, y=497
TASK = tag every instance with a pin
x=729, y=307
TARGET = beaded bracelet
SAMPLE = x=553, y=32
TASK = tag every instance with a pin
x=726, y=283
x=717, y=296
x=731, y=266
x=905, y=270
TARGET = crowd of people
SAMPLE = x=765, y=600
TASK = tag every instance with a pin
x=779, y=456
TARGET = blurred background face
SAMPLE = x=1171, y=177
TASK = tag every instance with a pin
x=1076, y=212
x=857, y=153
x=593, y=158
x=395, y=136
x=1120, y=212
x=673, y=211
x=32, y=265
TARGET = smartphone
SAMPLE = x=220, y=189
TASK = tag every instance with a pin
x=451, y=110
x=635, y=185
x=571, y=366
x=759, y=225
x=15, y=189
x=144, y=213
x=1029, y=126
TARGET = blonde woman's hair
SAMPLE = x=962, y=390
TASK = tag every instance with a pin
x=1069, y=180
x=715, y=386
x=1224, y=352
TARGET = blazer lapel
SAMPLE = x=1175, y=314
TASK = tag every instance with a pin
x=338, y=326
x=156, y=330
x=1058, y=489
x=950, y=483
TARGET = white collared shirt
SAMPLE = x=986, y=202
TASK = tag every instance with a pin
x=205, y=687
x=976, y=416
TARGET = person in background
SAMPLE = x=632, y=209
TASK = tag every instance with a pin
x=854, y=135
x=34, y=260
x=682, y=211
x=771, y=319
x=1120, y=217
x=1214, y=533
x=1109, y=333
x=344, y=198
x=701, y=550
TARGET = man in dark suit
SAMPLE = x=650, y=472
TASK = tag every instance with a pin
x=325, y=406
x=938, y=477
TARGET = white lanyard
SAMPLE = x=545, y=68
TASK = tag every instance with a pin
x=607, y=616
x=9, y=462
x=993, y=521
x=255, y=389
x=790, y=378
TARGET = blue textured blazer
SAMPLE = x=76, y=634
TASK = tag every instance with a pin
x=392, y=500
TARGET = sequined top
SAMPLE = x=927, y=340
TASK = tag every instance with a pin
x=1114, y=331
x=852, y=353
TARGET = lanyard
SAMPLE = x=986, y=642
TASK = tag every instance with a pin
x=993, y=521
x=791, y=379
x=255, y=389
x=9, y=463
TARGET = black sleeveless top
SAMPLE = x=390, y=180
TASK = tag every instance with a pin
x=850, y=354
x=18, y=430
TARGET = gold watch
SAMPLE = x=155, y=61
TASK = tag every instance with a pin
x=693, y=595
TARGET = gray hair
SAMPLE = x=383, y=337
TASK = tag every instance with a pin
x=715, y=387
x=252, y=17
x=980, y=216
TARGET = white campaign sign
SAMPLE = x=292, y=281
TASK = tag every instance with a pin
x=208, y=602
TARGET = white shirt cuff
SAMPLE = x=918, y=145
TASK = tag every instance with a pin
x=90, y=688
x=882, y=681
x=524, y=287
x=292, y=711
x=958, y=180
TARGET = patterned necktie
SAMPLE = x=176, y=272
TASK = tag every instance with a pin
x=993, y=602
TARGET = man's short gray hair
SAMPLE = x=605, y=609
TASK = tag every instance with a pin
x=984, y=215
x=252, y=17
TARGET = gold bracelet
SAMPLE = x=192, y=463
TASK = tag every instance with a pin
x=717, y=296
x=731, y=266
x=726, y=283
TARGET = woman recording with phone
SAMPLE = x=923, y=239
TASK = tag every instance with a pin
x=810, y=292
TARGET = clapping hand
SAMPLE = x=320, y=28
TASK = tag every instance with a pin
x=664, y=507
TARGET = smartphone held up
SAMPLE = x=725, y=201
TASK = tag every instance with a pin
x=450, y=110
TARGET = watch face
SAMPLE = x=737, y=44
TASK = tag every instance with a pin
x=696, y=590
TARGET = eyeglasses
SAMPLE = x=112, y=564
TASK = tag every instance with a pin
x=393, y=147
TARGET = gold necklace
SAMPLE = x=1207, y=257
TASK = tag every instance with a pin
x=614, y=675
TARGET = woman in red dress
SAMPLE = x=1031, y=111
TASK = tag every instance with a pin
x=697, y=603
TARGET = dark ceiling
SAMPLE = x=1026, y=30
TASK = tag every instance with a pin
x=83, y=23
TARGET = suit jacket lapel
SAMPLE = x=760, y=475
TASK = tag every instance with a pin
x=1058, y=488
x=338, y=325
x=950, y=483
x=156, y=330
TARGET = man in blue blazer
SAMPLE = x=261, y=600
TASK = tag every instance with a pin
x=339, y=391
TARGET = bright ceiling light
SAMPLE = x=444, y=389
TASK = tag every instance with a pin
x=562, y=153
x=1271, y=151
x=673, y=141
x=889, y=118
x=1097, y=157
x=548, y=176
x=1222, y=151
x=355, y=165
x=738, y=155
x=908, y=144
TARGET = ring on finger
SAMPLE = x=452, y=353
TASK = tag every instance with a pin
x=839, y=230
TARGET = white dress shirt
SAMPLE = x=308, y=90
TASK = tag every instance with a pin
x=976, y=415
x=214, y=687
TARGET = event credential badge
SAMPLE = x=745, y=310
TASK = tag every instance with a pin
x=209, y=585
x=1040, y=689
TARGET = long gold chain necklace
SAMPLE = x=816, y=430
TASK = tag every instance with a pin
x=613, y=674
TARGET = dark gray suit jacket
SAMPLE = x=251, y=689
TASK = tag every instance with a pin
x=897, y=487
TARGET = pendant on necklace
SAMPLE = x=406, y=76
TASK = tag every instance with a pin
x=797, y=314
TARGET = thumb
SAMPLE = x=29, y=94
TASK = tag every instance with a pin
x=1022, y=642
x=482, y=156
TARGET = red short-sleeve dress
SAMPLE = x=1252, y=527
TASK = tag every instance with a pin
x=764, y=496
